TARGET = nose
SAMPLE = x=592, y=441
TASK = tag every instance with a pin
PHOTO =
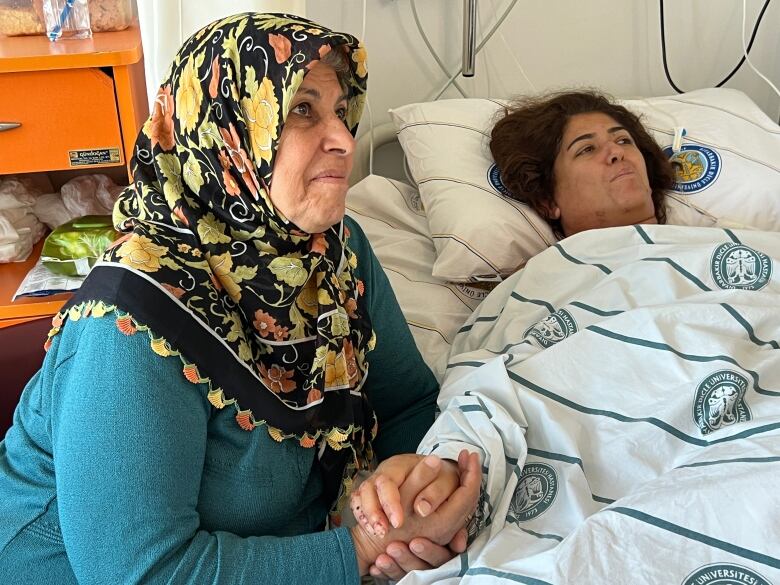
x=614, y=153
x=337, y=139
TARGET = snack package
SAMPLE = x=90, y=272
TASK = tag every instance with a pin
x=74, y=247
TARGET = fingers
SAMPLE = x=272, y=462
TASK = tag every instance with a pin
x=425, y=472
x=459, y=542
x=431, y=497
x=400, y=558
x=429, y=552
x=390, y=499
x=451, y=515
x=367, y=509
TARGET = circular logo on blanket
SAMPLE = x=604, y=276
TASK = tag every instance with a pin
x=535, y=492
x=494, y=178
x=738, y=266
x=724, y=574
x=695, y=167
x=720, y=401
x=553, y=328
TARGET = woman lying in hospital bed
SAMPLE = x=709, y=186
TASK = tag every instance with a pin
x=622, y=389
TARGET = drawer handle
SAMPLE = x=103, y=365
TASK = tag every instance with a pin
x=9, y=125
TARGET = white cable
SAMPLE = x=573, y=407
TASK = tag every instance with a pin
x=368, y=105
x=744, y=51
x=514, y=57
x=431, y=50
x=490, y=33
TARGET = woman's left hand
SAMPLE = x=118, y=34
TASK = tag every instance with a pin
x=420, y=554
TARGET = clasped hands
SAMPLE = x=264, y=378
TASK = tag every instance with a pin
x=412, y=513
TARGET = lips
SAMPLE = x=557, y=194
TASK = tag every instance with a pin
x=623, y=173
x=330, y=175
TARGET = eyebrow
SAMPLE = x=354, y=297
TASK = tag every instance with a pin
x=588, y=136
x=315, y=93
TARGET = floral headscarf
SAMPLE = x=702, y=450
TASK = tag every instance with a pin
x=264, y=312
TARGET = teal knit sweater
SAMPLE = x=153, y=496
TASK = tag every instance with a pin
x=118, y=470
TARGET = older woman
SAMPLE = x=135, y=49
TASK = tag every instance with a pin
x=207, y=394
x=581, y=161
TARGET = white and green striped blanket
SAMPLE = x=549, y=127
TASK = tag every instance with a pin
x=624, y=392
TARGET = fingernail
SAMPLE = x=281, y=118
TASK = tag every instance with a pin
x=417, y=548
x=383, y=564
x=394, y=520
x=394, y=552
x=431, y=461
x=423, y=508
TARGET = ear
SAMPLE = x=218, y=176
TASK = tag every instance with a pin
x=549, y=209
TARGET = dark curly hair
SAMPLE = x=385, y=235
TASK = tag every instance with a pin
x=526, y=140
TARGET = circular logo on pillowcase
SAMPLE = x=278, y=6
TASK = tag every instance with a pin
x=494, y=178
x=535, y=492
x=477, y=293
x=738, y=266
x=695, y=167
x=553, y=328
x=724, y=574
x=720, y=401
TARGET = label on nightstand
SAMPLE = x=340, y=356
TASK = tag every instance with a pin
x=94, y=156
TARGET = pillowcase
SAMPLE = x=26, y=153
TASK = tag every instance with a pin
x=729, y=174
x=392, y=216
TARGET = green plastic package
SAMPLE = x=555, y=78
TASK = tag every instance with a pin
x=74, y=247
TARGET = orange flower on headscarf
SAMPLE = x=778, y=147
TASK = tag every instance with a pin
x=174, y=290
x=264, y=323
x=282, y=47
x=180, y=215
x=350, y=307
x=240, y=159
x=231, y=185
x=318, y=244
x=352, y=369
x=314, y=396
x=277, y=378
x=214, y=85
x=162, y=119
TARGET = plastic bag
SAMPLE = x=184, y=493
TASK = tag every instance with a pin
x=90, y=195
x=73, y=248
x=50, y=209
x=66, y=19
x=19, y=227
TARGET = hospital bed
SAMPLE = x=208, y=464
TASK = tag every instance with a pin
x=622, y=385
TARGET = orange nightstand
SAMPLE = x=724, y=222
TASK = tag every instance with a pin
x=75, y=104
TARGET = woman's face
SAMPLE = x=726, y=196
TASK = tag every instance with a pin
x=315, y=151
x=600, y=176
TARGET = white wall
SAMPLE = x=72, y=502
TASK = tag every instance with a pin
x=610, y=44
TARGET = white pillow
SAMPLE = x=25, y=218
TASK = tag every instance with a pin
x=480, y=235
x=391, y=215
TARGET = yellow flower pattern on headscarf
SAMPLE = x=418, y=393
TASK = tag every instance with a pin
x=141, y=253
x=261, y=112
x=189, y=95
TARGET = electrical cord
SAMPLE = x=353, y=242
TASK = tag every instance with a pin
x=368, y=105
x=431, y=50
x=744, y=56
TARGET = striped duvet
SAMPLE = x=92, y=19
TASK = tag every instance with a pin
x=624, y=392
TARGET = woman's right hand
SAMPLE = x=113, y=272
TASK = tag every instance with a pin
x=439, y=526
